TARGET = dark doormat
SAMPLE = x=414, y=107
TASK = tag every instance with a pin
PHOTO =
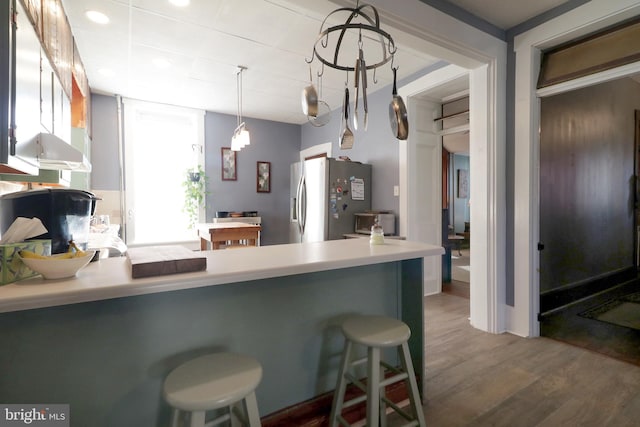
x=621, y=311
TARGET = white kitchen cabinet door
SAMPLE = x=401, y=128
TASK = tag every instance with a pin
x=46, y=93
x=61, y=112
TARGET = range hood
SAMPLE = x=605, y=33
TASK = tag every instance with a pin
x=55, y=153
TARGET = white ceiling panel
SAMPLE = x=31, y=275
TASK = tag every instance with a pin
x=206, y=41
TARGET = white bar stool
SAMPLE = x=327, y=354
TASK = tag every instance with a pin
x=215, y=381
x=376, y=333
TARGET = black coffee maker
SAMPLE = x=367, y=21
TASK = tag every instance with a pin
x=66, y=213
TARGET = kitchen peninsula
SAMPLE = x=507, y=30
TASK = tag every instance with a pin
x=104, y=342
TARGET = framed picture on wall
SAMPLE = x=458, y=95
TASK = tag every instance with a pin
x=229, y=166
x=463, y=183
x=263, y=180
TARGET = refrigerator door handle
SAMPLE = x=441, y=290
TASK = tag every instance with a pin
x=302, y=205
x=298, y=213
x=297, y=207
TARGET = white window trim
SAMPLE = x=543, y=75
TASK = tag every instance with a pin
x=130, y=107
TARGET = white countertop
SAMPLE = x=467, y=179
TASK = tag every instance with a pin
x=111, y=277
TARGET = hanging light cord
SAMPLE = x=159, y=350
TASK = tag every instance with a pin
x=240, y=93
x=240, y=134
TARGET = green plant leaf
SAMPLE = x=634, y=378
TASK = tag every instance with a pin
x=195, y=192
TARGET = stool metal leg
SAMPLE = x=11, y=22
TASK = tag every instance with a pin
x=414, y=395
x=373, y=387
x=338, y=394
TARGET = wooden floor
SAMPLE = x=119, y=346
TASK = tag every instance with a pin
x=454, y=287
x=480, y=379
x=460, y=277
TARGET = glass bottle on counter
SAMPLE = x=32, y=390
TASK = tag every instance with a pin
x=377, y=235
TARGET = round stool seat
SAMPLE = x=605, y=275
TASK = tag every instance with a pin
x=376, y=331
x=212, y=381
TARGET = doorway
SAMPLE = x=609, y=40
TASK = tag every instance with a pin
x=421, y=183
x=587, y=189
x=589, y=287
x=453, y=124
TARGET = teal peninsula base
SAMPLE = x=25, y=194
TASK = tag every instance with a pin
x=108, y=358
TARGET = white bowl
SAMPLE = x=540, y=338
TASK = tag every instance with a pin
x=56, y=267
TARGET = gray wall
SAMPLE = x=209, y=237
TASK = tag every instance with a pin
x=278, y=143
x=377, y=146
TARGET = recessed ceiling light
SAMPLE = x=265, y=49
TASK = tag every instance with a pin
x=161, y=63
x=97, y=17
x=180, y=3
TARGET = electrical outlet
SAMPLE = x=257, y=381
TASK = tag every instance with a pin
x=396, y=190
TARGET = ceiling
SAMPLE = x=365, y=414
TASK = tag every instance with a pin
x=506, y=14
x=189, y=56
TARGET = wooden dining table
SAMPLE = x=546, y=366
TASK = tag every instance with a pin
x=228, y=234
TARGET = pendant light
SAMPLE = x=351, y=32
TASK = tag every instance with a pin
x=240, y=136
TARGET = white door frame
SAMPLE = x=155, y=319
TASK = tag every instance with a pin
x=484, y=56
x=588, y=18
x=488, y=209
x=420, y=181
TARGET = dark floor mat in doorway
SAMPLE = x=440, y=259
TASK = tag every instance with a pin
x=622, y=311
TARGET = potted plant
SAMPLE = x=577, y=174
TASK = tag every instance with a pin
x=195, y=191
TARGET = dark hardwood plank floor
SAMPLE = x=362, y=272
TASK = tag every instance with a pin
x=569, y=326
x=480, y=379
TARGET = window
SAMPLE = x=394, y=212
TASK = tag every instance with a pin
x=160, y=143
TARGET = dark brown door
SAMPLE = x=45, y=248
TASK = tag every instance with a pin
x=636, y=184
x=587, y=184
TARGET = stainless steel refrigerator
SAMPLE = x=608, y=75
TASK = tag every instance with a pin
x=325, y=194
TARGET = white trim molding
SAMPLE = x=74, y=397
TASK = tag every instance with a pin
x=585, y=19
x=488, y=203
